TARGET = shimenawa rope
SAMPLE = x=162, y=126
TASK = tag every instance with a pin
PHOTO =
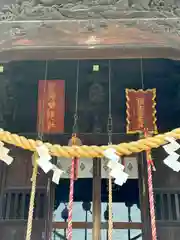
x=90, y=151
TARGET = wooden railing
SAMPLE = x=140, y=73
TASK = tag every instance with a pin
x=15, y=207
x=167, y=205
x=104, y=225
x=85, y=227
x=15, y=204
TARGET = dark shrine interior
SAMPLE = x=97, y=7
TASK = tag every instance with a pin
x=20, y=81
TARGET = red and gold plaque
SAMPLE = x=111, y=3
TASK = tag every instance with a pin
x=141, y=110
x=51, y=106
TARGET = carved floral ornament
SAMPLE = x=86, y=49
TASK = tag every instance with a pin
x=85, y=9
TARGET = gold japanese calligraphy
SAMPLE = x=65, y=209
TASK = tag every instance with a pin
x=51, y=94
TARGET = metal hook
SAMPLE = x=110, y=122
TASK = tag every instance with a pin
x=76, y=100
x=110, y=120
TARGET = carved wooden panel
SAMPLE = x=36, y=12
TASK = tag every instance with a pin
x=20, y=172
x=15, y=205
x=16, y=230
x=169, y=233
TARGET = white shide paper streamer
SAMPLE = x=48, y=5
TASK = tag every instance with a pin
x=45, y=164
x=57, y=172
x=4, y=154
x=116, y=169
x=172, y=160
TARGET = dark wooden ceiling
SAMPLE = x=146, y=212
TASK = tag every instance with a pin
x=56, y=29
x=21, y=112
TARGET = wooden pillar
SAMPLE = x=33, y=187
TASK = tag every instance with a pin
x=96, y=199
x=144, y=200
x=48, y=209
x=50, y=198
x=3, y=173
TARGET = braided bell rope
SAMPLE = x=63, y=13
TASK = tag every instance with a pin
x=71, y=199
x=151, y=199
x=32, y=199
x=89, y=151
x=151, y=191
x=110, y=221
x=71, y=192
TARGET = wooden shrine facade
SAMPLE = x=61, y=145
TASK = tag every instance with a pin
x=15, y=193
x=35, y=39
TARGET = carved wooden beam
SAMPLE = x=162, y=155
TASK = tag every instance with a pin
x=67, y=54
x=86, y=138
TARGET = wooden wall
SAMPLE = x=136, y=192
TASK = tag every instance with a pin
x=167, y=193
x=15, y=194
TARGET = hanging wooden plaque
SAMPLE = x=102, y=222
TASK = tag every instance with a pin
x=51, y=106
x=141, y=110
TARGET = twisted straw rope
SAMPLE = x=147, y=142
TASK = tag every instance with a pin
x=89, y=151
x=32, y=199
